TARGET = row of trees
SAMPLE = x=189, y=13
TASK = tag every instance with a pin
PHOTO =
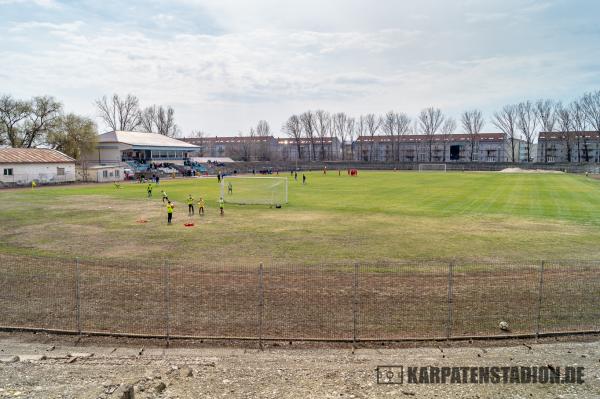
x=41, y=121
x=126, y=114
x=521, y=121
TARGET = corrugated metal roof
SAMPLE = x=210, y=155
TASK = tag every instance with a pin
x=142, y=139
x=33, y=155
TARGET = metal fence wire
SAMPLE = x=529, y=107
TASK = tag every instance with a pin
x=328, y=302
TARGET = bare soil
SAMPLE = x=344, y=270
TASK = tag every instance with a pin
x=101, y=369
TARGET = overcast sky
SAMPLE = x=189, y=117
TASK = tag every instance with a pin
x=225, y=64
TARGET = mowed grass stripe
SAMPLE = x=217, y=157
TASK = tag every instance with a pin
x=375, y=216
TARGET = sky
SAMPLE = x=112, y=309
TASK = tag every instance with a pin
x=223, y=65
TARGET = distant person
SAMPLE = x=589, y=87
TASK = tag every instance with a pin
x=149, y=189
x=170, y=207
x=219, y=177
x=165, y=197
x=229, y=188
x=253, y=171
x=296, y=176
x=221, y=205
x=201, y=206
x=190, y=202
x=291, y=173
x=303, y=178
x=157, y=179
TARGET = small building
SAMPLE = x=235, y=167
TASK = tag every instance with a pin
x=102, y=173
x=21, y=166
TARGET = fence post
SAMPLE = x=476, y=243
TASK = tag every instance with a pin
x=450, y=300
x=539, y=307
x=354, y=305
x=167, y=271
x=261, y=294
x=77, y=296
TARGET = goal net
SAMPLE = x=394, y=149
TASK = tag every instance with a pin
x=432, y=167
x=255, y=190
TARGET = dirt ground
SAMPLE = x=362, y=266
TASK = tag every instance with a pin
x=103, y=369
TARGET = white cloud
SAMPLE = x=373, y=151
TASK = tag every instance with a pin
x=40, y=3
x=269, y=60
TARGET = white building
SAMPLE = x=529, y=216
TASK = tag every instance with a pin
x=138, y=149
x=21, y=166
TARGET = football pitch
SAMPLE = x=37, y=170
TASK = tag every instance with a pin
x=376, y=216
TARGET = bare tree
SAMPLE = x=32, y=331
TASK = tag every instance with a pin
x=244, y=150
x=120, y=113
x=590, y=102
x=402, y=128
x=472, y=122
x=527, y=124
x=200, y=141
x=372, y=124
x=263, y=131
x=165, y=122
x=361, y=131
x=544, y=111
x=430, y=120
x=564, y=127
x=148, y=118
x=293, y=128
x=446, y=132
x=322, y=125
x=388, y=125
x=340, y=129
x=351, y=134
x=308, y=126
x=579, y=125
x=506, y=121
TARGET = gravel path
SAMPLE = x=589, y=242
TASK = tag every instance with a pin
x=47, y=369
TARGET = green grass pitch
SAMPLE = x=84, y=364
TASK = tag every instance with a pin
x=377, y=216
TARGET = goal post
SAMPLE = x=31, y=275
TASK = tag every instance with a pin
x=254, y=190
x=432, y=167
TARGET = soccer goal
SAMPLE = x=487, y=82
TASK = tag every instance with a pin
x=432, y=167
x=254, y=190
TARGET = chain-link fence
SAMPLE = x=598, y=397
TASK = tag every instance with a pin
x=342, y=302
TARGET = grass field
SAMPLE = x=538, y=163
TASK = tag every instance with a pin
x=377, y=216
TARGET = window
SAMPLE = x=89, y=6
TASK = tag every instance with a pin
x=8, y=172
x=117, y=173
x=105, y=173
x=60, y=171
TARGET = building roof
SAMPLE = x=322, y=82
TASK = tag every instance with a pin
x=212, y=159
x=417, y=138
x=33, y=155
x=228, y=139
x=304, y=141
x=142, y=139
x=561, y=135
